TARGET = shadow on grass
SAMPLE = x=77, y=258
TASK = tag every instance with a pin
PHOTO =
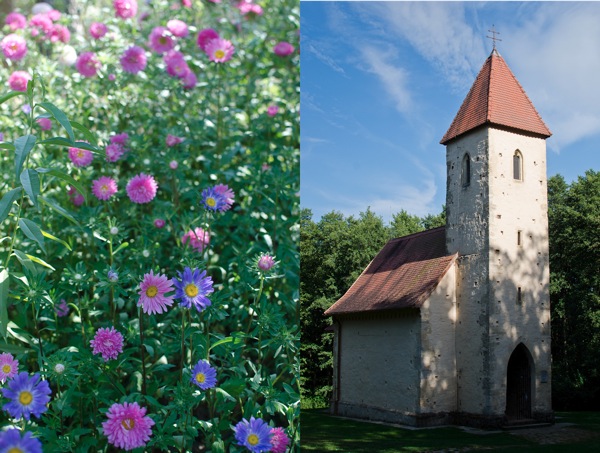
x=324, y=433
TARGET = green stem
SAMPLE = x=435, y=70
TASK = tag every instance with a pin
x=182, y=343
x=142, y=352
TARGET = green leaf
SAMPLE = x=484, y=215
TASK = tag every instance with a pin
x=63, y=141
x=54, y=238
x=18, y=333
x=23, y=145
x=31, y=183
x=64, y=177
x=59, y=209
x=12, y=94
x=60, y=117
x=13, y=348
x=4, y=281
x=40, y=261
x=234, y=340
x=123, y=245
x=25, y=262
x=33, y=232
x=7, y=145
x=7, y=201
x=87, y=134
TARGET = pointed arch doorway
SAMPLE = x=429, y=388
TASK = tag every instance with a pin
x=519, y=384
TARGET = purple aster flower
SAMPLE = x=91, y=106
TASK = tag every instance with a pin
x=203, y=375
x=11, y=441
x=255, y=435
x=265, y=263
x=108, y=342
x=112, y=276
x=279, y=440
x=8, y=366
x=213, y=200
x=229, y=195
x=128, y=426
x=61, y=309
x=133, y=60
x=192, y=288
x=28, y=395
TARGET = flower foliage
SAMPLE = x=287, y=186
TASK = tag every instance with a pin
x=143, y=169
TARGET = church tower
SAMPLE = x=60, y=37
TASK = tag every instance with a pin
x=497, y=222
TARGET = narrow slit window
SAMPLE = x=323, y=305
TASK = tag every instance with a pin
x=518, y=166
x=519, y=295
x=466, y=170
x=519, y=237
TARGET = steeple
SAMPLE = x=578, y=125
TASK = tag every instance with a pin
x=496, y=99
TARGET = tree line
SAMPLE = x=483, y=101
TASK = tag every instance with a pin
x=335, y=249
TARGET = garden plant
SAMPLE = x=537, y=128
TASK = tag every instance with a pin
x=148, y=227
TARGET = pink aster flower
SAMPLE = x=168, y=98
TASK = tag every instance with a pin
x=40, y=23
x=279, y=440
x=61, y=309
x=247, y=8
x=98, y=30
x=189, y=80
x=142, y=188
x=17, y=81
x=283, y=49
x=176, y=65
x=80, y=157
x=128, y=426
x=14, y=47
x=9, y=367
x=45, y=123
x=272, y=110
x=152, y=293
x=75, y=197
x=120, y=139
x=173, y=140
x=54, y=14
x=87, y=64
x=59, y=33
x=16, y=21
x=219, y=50
x=265, y=262
x=159, y=223
x=125, y=9
x=108, y=343
x=178, y=28
x=133, y=60
x=160, y=40
x=205, y=36
x=227, y=194
x=186, y=3
x=198, y=238
x=104, y=187
x=114, y=152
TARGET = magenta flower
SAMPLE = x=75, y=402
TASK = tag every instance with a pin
x=272, y=110
x=17, y=81
x=205, y=36
x=87, y=64
x=160, y=40
x=173, y=165
x=173, y=140
x=28, y=395
x=283, y=49
x=125, y=9
x=108, y=342
x=219, y=50
x=15, y=21
x=227, y=194
x=190, y=80
x=40, y=23
x=265, y=262
x=9, y=367
x=279, y=440
x=59, y=33
x=247, y=8
x=176, y=65
x=128, y=426
x=45, y=123
x=98, y=30
x=14, y=47
x=80, y=157
x=114, y=152
x=76, y=198
x=120, y=139
x=159, y=223
x=133, y=60
x=104, y=187
x=199, y=239
x=62, y=309
x=152, y=293
x=142, y=188
x=178, y=28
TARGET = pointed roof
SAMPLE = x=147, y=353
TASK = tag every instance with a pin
x=496, y=98
x=402, y=275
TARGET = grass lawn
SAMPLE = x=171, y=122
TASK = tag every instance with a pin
x=323, y=433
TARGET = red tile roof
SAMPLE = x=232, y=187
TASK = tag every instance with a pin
x=496, y=98
x=402, y=275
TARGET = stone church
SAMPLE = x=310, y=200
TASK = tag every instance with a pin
x=452, y=325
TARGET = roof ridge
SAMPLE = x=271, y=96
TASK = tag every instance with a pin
x=418, y=233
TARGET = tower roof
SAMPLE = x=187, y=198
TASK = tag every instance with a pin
x=496, y=98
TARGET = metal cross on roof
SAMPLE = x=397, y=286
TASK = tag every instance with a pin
x=493, y=37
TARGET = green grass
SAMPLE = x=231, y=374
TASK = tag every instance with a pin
x=323, y=433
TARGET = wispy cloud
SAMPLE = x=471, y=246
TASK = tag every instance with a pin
x=324, y=55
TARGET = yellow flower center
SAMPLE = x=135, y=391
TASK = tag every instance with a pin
x=25, y=398
x=80, y=153
x=191, y=290
x=252, y=439
x=6, y=368
x=152, y=291
x=200, y=378
x=104, y=188
x=128, y=424
x=219, y=53
x=210, y=201
x=15, y=450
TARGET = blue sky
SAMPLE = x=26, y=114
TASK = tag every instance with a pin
x=382, y=81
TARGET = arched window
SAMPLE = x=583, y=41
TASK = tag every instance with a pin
x=466, y=170
x=518, y=166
